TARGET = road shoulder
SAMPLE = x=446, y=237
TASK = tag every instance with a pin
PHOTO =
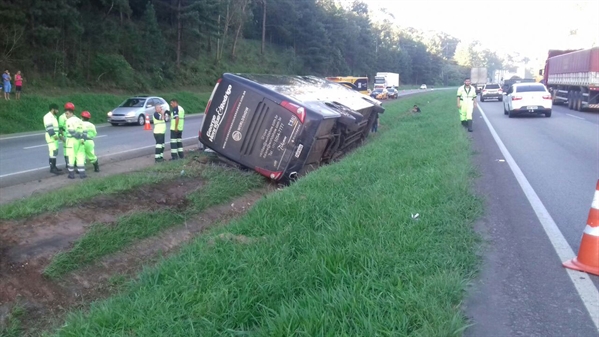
x=522, y=289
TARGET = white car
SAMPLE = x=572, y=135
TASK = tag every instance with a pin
x=423, y=86
x=527, y=98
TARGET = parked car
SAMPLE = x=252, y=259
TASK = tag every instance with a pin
x=135, y=109
x=423, y=86
x=392, y=93
x=379, y=93
x=491, y=90
x=522, y=98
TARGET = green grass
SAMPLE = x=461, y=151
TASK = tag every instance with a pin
x=223, y=184
x=13, y=325
x=74, y=194
x=27, y=114
x=337, y=253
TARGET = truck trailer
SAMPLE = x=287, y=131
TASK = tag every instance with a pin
x=391, y=80
x=284, y=126
x=572, y=77
x=478, y=78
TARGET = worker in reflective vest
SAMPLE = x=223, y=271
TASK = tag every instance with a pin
x=466, y=102
x=159, y=131
x=177, y=121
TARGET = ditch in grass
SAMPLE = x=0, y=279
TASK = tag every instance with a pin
x=340, y=252
x=75, y=194
x=220, y=185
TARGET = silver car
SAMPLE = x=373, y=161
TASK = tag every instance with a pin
x=135, y=109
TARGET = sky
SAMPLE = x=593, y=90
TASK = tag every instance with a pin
x=531, y=27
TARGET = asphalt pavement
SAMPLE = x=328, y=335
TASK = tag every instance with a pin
x=536, y=211
x=24, y=157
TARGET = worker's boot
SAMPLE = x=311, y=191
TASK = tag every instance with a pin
x=71, y=175
x=56, y=167
x=53, y=168
x=174, y=156
x=470, y=125
x=96, y=166
x=180, y=154
x=82, y=175
x=464, y=123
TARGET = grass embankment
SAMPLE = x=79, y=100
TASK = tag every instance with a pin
x=27, y=114
x=222, y=184
x=337, y=253
x=73, y=195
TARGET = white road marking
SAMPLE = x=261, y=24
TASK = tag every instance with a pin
x=582, y=282
x=33, y=147
x=103, y=125
x=101, y=156
x=42, y=133
x=576, y=117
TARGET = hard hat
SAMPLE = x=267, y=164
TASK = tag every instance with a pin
x=69, y=106
x=86, y=114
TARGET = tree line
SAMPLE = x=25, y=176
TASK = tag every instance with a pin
x=140, y=44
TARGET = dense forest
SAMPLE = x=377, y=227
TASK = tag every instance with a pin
x=139, y=44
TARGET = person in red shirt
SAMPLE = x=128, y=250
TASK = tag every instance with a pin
x=18, y=84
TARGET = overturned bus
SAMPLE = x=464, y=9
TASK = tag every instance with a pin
x=284, y=126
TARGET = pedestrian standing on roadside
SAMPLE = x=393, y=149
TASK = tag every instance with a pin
x=74, y=142
x=89, y=133
x=6, y=85
x=52, y=136
x=466, y=102
x=159, y=131
x=177, y=121
x=18, y=84
x=375, y=125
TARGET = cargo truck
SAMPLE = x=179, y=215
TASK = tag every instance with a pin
x=572, y=77
x=386, y=80
x=478, y=78
x=284, y=126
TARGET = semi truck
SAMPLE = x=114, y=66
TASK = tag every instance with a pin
x=386, y=80
x=572, y=77
x=478, y=78
x=284, y=126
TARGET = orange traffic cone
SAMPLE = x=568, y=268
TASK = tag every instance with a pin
x=147, y=125
x=588, y=254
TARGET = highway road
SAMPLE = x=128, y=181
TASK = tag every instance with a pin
x=539, y=185
x=24, y=157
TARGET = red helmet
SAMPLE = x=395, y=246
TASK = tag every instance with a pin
x=86, y=114
x=69, y=106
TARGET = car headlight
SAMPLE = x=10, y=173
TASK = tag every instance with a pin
x=130, y=114
x=109, y=114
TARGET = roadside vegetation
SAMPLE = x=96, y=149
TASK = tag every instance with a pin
x=380, y=243
x=75, y=194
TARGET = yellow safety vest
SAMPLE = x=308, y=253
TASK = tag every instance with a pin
x=467, y=95
x=51, y=125
x=159, y=124
x=181, y=115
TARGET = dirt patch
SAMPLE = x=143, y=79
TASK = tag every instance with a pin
x=27, y=247
x=46, y=234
